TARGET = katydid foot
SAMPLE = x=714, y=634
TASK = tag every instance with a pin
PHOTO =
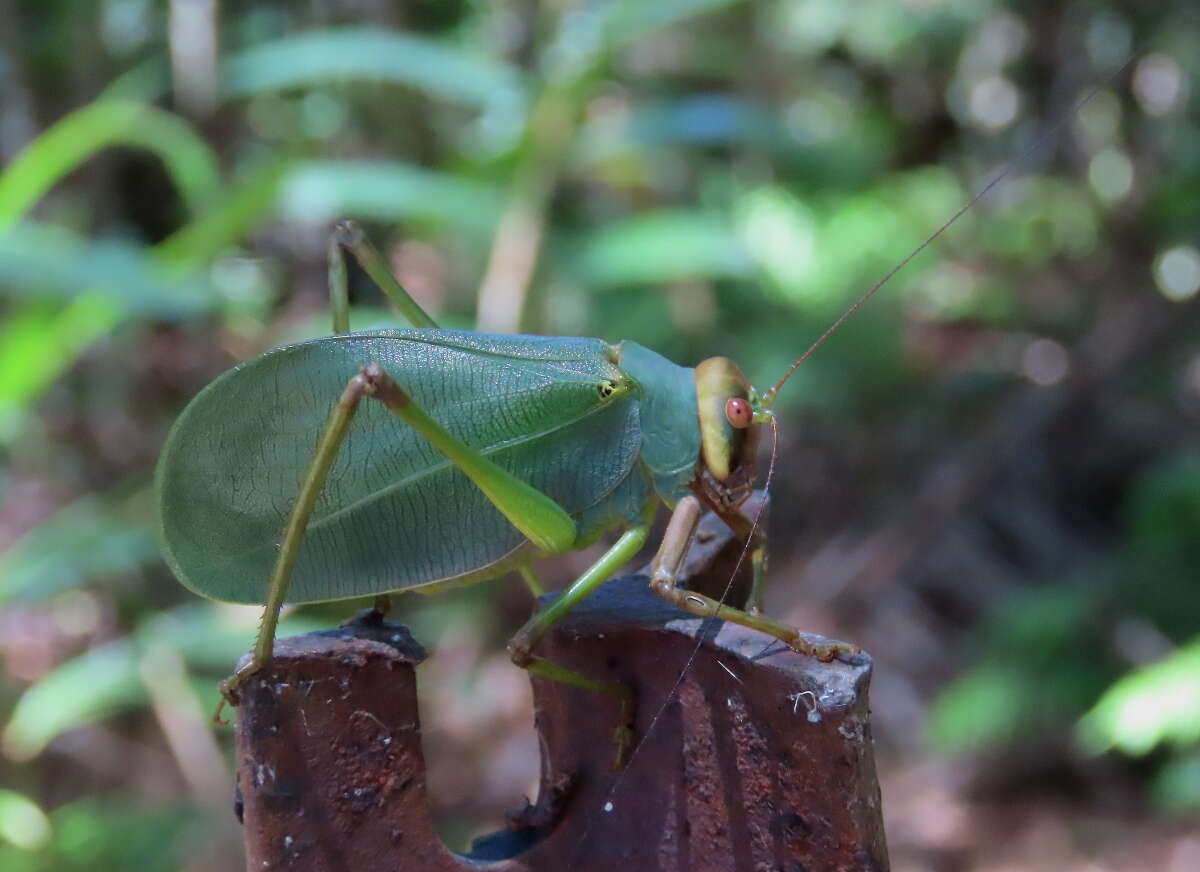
x=702, y=606
x=230, y=686
x=824, y=651
x=623, y=733
x=520, y=647
x=665, y=574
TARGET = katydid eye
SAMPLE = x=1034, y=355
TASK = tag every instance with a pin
x=738, y=412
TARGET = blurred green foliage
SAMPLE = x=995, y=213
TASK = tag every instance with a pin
x=702, y=176
x=1044, y=657
x=100, y=834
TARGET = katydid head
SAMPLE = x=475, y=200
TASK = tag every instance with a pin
x=729, y=431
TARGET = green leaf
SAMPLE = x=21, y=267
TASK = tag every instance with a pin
x=99, y=536
x=23, y=824
x=697, y=120
x=984, y=707
x=659, y=247
x=104, y=281
x=1164, y=507
x=110, y=832
x=1155, y=705
x=634, y=18
x=107, y=679
x=204, y=635
x=386, y=191
x=824, y=253
x=1039, y=625
x=254, y=197
x=432, y=66
x=72, y=140
x=40, y=262
x=89, y=687
x=1176, y=787
x=38, y=341
x=69, y=291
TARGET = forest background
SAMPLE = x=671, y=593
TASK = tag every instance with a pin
x=990, y=478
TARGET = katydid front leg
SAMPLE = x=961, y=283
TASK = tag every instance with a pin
x=753, y=531
x=664, y=576
x=535, y=515
x=348, y=236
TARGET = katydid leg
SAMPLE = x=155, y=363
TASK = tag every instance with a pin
x=758, y=576
x=281, y=575
x=531, y=581
x=534, y=514
x=664, y=576
x=339, y=287
x=754, y=532
x=541, y=520
x=520, y=647
x=349, y=236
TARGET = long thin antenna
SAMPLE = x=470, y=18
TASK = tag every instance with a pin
x=769, y=397
x=615, y=787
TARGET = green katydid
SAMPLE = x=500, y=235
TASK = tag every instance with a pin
x=481, y=454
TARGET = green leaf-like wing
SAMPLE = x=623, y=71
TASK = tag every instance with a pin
x=394, y=512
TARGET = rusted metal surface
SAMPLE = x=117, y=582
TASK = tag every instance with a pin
x=759, y=759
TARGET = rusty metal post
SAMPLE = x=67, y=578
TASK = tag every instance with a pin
x=758, y=759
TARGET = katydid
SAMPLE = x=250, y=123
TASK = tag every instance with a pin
x=477, y=455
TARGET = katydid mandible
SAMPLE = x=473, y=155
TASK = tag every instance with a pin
x=475, y=455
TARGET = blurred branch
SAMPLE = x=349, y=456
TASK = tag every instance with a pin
x=185, y=726
x=192, y=37
x=518, y=238
x=571, y=64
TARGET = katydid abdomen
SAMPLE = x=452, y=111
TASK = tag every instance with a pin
x=602, y=430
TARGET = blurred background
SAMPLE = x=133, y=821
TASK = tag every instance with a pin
x=990, y=478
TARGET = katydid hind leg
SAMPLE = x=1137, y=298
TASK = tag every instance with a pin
x=520, y=647
x=331, y=440
x=531, y=580
x=664, y=578
x=533, y=513
x=541, y=520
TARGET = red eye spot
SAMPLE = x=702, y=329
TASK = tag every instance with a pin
x=739, y=413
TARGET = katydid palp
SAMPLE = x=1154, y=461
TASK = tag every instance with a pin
x=482, y=454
